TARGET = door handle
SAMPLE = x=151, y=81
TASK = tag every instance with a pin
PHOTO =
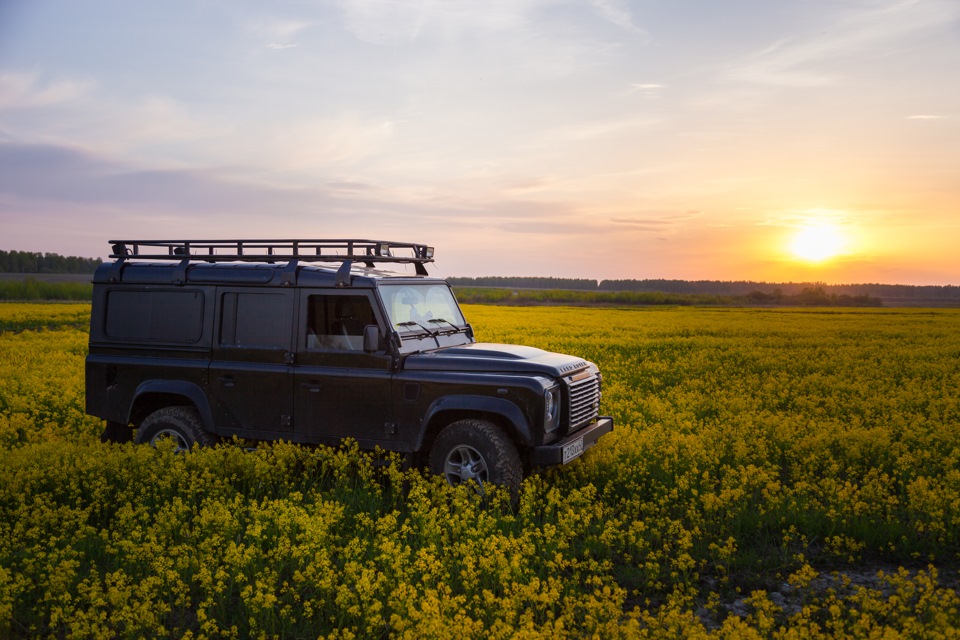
x=312, y=387
x=226, y=381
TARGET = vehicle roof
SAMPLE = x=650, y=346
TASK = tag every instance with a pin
x=246, y=273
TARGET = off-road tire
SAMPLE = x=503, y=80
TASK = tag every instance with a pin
x=182, y=424
x=482, y=451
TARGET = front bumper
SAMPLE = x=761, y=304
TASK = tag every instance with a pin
x=553, y=454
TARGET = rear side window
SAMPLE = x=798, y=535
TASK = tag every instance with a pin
x=155, y=316
x=257, y=320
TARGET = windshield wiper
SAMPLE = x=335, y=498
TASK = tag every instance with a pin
x=456, y=329
x=414, y=323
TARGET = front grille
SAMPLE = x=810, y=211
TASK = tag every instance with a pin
x=584, y=396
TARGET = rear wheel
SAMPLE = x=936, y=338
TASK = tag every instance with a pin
x=477, y=452
x=180, y=424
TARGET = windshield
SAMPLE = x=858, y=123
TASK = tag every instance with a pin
x=413, y=307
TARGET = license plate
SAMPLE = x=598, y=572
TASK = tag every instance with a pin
x=572, y=450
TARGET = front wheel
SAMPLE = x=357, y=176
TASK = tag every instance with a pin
x=477, y=452
x=180, y=424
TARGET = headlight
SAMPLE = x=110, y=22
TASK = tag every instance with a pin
x=551, y=409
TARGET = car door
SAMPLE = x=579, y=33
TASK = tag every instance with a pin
x=249, y=376
x=339, y=390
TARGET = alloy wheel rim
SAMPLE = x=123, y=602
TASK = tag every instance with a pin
x=179, y=441
x=465, y=464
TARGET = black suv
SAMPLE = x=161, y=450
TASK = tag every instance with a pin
x=308, y=341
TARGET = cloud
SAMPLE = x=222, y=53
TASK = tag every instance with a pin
x=638, y=224
x=60, y=183
x=86, y=116
x=781, y=64
x=350, y=186
x=162, y=119
x=646, y=89
x=601, y=128
x=924, y=117
x=279, y=33
x=656, y=221
x=57, y=174
x=865, y=32
x=279, y=29
x=405, y=21
x=554, y=228
x=617, y=13
x=28, y=91
x=168, y=130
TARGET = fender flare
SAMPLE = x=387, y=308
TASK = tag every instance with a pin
x=519, y=425
x=192, y=392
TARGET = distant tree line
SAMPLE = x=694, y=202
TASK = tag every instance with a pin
x=747, y=287
x=811, y=297
x=31, y=262
x=498, y=282
x=759, y=292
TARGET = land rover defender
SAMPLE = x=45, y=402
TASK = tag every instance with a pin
x=312, y=341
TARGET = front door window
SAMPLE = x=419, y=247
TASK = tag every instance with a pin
x=336, y=322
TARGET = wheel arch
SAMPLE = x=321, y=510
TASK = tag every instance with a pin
x=157, y=394
x=501, y=412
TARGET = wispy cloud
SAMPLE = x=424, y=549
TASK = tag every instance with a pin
x=279, y=33
x=279, y=29
x=648, y=89
x=924, y=117
x=604, y=128
x=572, y=228
x=656, y=221
x=618, y=13
x=27, y=91
x=870, y=31
x=405, y=21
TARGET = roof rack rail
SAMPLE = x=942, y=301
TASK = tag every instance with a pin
x=369, y=252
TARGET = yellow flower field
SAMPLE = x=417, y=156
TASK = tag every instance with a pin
x=760, y=457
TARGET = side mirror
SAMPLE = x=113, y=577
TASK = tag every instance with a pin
x=371, y=338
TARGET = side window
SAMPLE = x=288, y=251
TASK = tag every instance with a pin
x=337, y=321
x=257, y=320
x=155, y=316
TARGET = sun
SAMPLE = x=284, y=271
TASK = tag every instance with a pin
x=818, y=242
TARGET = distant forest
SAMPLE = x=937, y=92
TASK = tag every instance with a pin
x=497, y=282
x=743, y=290
x=30, y=262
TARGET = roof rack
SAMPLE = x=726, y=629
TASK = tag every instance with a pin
x=338, y=250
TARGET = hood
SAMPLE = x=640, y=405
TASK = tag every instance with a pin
x=504, y=358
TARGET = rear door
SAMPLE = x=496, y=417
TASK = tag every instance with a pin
x=249, y=377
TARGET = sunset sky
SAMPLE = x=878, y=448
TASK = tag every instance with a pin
x=812, y=140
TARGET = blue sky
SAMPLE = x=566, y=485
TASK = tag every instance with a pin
x=602, y=139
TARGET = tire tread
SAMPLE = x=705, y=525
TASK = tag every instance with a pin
x=185, y=418
x=504, y=464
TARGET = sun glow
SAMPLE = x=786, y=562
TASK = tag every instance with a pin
x=818, y=242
